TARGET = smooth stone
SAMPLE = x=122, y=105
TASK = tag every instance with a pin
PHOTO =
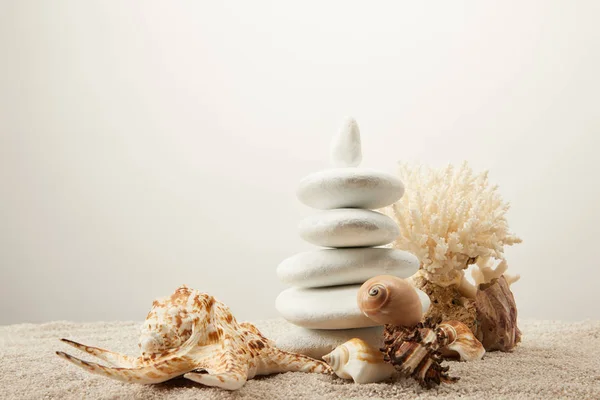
x=327, y=308
x=330, y=267
x=348, y=227
x=350, y=188
x=345, y=149
x=316, y=343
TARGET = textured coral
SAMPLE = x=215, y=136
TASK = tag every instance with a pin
x=451, y=218
x=447, y=303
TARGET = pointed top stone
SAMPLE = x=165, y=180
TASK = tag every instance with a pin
x=345, y=145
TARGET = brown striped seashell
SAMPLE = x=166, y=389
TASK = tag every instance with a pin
x=192, y=334
x=461, y=343
x=414, y=352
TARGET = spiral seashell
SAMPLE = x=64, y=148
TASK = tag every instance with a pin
x=358, y=361
x=460, y=342
x=391, y=300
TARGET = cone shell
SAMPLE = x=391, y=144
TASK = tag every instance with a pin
x=358, y=361
x=391, y=300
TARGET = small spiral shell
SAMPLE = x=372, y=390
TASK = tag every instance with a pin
x=388, y=299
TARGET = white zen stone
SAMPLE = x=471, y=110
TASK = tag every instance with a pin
x=345, y=146
x=330, y=267
x=327, y=308
x=350, y=188
x=348, y=227
x=316, y=343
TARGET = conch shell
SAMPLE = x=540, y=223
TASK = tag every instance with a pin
x=461, y=342
x=358, y=361
x=192, y=334
x=387, y=299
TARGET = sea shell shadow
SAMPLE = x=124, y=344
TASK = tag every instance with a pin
x=179, y=382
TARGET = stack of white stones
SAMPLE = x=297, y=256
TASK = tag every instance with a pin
x=326, y=281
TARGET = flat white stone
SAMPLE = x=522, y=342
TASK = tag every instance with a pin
x=316, y=343
x=350, y=188
x=345, y=150
x=327, y=308
x=331, y=267
x=348, y=227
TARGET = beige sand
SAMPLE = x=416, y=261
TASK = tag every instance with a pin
x=555, y=360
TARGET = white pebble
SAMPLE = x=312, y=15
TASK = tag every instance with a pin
x=350, y=188
x=330, y=267
x=316, y=343
x=348, y=227
x=345, y=146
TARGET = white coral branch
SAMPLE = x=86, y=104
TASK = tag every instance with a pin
x=477, y=276
x=510, y=278
x=467, y=289
x=450, y=217
x=490, y=273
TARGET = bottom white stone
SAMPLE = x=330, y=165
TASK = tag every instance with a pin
x=316, y=343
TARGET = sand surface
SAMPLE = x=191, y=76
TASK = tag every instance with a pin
x=555, y=360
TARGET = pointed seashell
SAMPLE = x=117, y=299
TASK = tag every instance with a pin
x=461, y=342
x=192, y=334
x=345, y=145
x=358, y=361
